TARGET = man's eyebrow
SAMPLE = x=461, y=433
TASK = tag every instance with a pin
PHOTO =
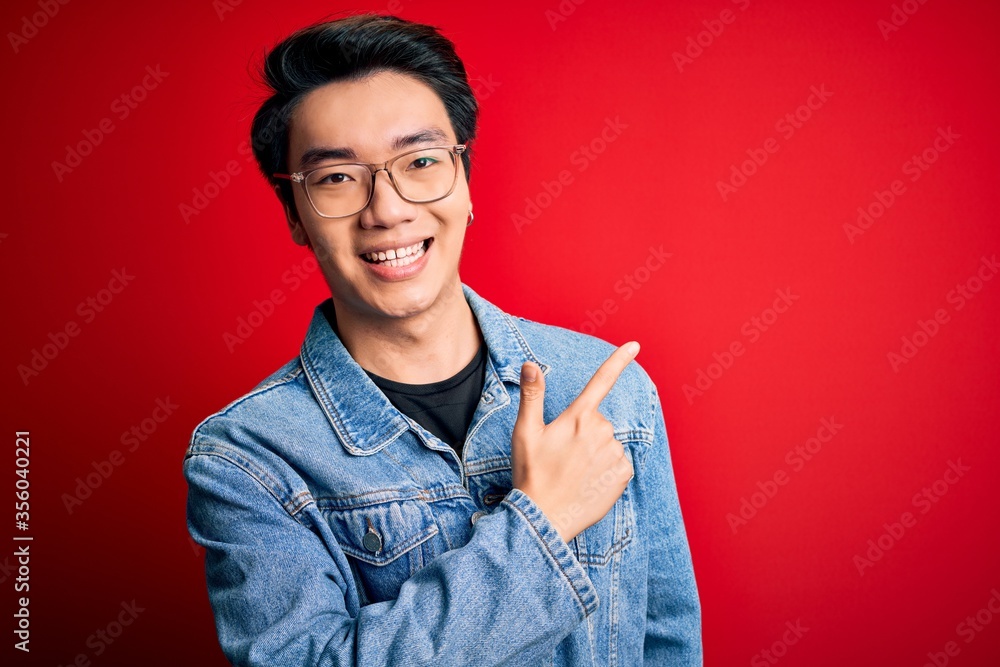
x=320, y=154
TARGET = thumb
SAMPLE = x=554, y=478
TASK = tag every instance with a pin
x=530, y=411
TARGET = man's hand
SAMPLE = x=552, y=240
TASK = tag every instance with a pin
x=572, y=468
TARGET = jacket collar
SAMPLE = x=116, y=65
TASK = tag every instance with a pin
x=363, y=418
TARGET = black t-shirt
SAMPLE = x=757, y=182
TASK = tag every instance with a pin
x=444, y=408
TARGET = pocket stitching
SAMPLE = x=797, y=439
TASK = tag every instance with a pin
x=602, y=559
x=351, y=547
x=622, y=505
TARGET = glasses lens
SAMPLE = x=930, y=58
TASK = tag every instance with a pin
x=421, y=176
x=339, y=190
x=425, y=175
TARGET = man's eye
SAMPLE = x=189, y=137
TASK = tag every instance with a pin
x=423, y=163
x=335, y=178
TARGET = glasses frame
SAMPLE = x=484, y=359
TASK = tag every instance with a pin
x=375, y=167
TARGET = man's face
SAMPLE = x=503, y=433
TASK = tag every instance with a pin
x=367, y=117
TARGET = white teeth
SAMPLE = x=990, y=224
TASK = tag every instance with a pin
x=409, y=259
x=394, y=257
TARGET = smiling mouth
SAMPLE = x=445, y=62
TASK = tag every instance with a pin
x=399, y=256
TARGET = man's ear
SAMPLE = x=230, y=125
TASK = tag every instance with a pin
x=294, y=224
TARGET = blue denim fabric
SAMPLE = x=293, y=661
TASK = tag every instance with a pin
x=338, y=531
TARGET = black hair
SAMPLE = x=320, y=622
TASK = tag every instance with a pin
x=354, y=48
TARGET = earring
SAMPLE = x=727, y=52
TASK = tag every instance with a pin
x=471, y=218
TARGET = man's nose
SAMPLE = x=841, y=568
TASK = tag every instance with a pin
x=387, y=206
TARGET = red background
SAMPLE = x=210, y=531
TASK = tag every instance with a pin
x=546, y=90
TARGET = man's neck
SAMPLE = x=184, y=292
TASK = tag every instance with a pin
x=429, y=347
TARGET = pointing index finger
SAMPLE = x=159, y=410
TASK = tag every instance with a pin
x=605, y=377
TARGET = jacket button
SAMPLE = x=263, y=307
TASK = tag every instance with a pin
x=493, y=498
x=372, y=541
x=488, y=398
x=477, y=516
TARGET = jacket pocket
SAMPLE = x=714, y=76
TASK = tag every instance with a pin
x=597, y=545
x=387, y=542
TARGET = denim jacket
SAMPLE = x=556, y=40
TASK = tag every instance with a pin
x=338, y=531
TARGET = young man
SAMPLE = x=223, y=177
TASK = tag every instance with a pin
x=431, y=481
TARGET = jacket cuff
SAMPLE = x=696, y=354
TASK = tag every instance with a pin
x=556, y=549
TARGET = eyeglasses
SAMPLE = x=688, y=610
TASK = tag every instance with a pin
x=418, y=176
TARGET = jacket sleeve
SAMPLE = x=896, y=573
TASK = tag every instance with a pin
x=673, y=614
x=278, y=590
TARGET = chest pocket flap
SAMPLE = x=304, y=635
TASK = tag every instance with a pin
x=379, y=534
